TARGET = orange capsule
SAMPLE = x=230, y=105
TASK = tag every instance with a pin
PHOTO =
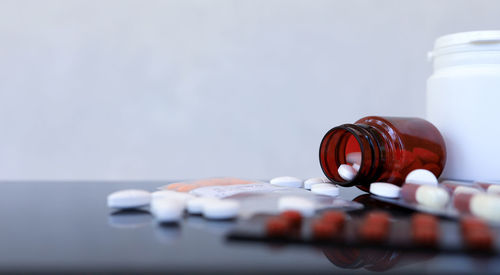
x=323, y=231
x=294, y=218
x=479, y=240
x=277, y=228
x=374, y=227
x=336, y=218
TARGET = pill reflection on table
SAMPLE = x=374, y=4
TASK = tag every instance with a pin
x=168, y=233
x=124, y=219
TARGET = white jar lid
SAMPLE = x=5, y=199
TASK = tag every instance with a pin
x=466, y=42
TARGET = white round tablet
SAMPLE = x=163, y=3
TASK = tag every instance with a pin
x=128, y=199
x=356, y=167
x=167, y=211
x=312, y=181
x=287, y=181
x=304, y=206
x=221, y=209
x=384, y=189
x=346, y=172
x=327, y=189
x=421, y=176
x=195, y=206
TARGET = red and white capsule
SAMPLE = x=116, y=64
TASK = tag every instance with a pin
x=427, y=195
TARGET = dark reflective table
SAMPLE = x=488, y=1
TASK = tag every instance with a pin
x=66, y=226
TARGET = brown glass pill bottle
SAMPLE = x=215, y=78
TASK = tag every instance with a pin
x=389, y=148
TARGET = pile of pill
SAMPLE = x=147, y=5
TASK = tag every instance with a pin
x=421, y=188
x=349, y=171
x=169, y=206
x=420, y=185
x=418, y=158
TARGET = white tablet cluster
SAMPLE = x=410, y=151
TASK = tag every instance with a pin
x=169, y=206
x=418, y=176
x=320, y=186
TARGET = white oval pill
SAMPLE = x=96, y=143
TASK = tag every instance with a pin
x=354, y=157
x=195, y=206
x=221, y=209
x=128, y=199
x=169, y=194
x=167, y=211
x=287, y=181
x=421, y=176
x=326, y=189
x=384, y=189
x=486, y=206
x=493, y=189
x=346, y=172
x=310, y=182
x=302, y=205
x=432, y=196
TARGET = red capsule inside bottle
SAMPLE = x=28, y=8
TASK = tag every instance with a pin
x=388, y=148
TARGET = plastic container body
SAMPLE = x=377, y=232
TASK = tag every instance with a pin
x=463, y=101
x=389, y=148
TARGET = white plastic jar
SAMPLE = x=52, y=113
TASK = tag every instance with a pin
x=463, y=102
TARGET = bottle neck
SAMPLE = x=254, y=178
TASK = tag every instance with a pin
x=339, y=142
x=470, y=58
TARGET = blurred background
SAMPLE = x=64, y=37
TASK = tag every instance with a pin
x=185, y=89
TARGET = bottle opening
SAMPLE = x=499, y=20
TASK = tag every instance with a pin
x=344, y=154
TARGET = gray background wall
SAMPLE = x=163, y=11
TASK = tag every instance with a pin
x=188, y=89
